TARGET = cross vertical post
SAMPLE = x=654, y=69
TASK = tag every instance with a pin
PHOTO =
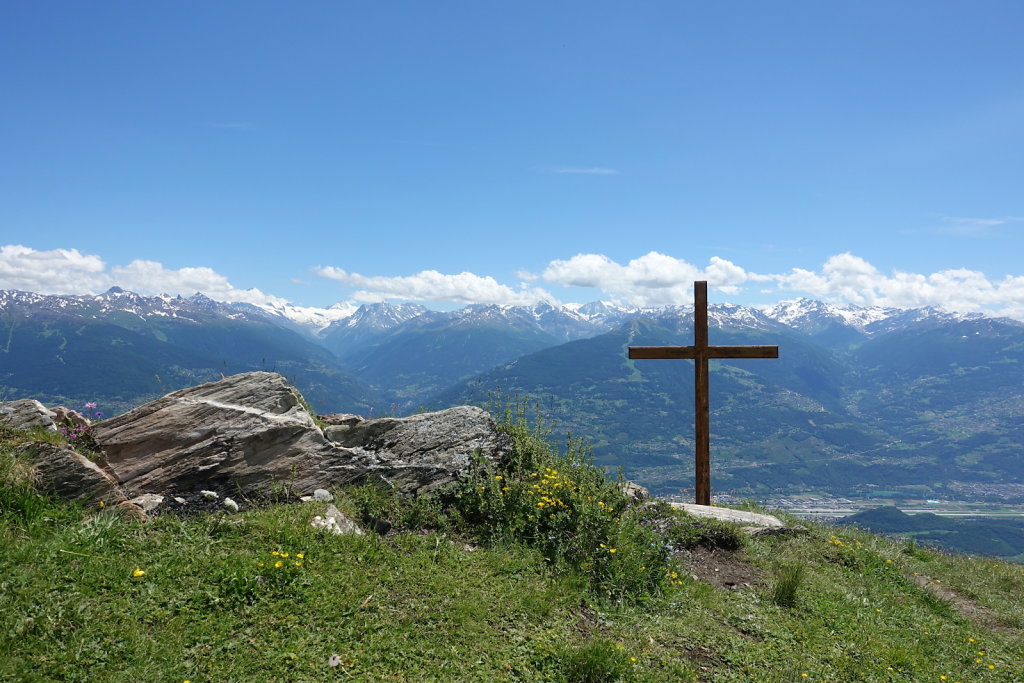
x=700, y=353
x=701, y=395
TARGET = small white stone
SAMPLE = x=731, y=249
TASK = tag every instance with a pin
x=230, y=505
x=180, y=501
x=209, y=495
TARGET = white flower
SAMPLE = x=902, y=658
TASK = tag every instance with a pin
x=209, y=495
x=231, y=505
x=329, y=524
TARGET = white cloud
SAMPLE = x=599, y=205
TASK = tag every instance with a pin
x=849, y=278
x=657, y=279
x=151, y=276
x=653, y=279
x=58, y=271
x=974, y=226
x=430, y=285
x=68, y=271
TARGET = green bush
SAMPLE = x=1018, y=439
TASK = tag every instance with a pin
x=562, y=504
x=382, y=507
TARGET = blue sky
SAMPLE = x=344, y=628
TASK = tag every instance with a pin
x=456, y=152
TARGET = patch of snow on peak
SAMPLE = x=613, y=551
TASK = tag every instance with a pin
x=859, y=316
x=312, y=317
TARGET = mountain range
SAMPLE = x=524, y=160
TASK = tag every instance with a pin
x=862, y=401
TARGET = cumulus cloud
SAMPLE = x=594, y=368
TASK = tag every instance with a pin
x=656, y=279
x=151, y=276
x=57, y=271
x=653, y=279
x=431, y=285
x=849, y=278
x=68, y=271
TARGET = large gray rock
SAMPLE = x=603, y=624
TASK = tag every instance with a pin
x=27, y=414
x=447, y=437
x=67, y=474
x=249, y=432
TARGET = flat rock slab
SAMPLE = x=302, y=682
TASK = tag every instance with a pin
x=729, y=515
x=67, y=474
x=27, y=414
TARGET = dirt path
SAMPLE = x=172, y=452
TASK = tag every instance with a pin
x=969, y=609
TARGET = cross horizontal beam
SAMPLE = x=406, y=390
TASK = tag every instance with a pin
x=676, y=352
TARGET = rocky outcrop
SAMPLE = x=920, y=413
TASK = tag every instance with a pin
x=64, y=473
x=27, y=414
x=445, y=439
x=250, y=433
x=73, y=418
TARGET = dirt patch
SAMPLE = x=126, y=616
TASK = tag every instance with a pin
x=704, y=659
x=588, y=622
x=967, y=608
x=721, y=568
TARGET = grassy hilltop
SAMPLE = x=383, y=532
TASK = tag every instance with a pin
x=537, y=571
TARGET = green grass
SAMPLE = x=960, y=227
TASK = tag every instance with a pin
x=454, y=596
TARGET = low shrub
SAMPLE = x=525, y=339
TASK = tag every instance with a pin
x=559, y=502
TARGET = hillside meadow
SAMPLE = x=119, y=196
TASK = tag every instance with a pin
x=539, y=570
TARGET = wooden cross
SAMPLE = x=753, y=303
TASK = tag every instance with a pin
x=700, y=352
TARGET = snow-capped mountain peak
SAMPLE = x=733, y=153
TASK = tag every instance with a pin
x=806, y=314
x=310, y=317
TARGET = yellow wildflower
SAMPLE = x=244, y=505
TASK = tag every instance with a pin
x=138, y=573
x=301, y=556
x=278, y=564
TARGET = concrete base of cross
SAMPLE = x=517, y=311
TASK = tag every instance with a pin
x=729, y=515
